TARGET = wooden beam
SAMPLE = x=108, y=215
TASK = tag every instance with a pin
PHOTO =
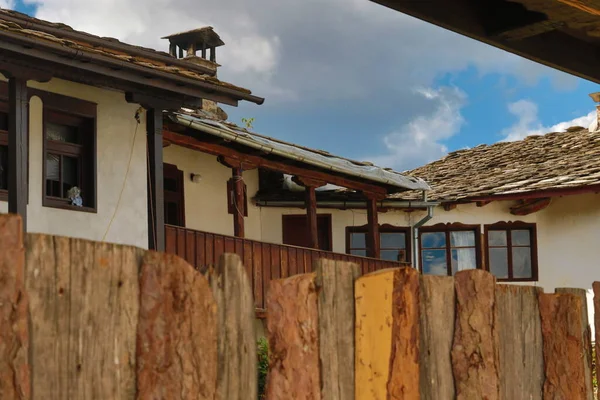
x=590, y=7
x=148, y=101
x=17, y=147
x=529, y=30
x=311, y=216
x=156, y=205
x=373, y=240
x=482, y=203
x=260, y=162
x=308, y=182
x=530, y=206
x=235, y=163
x=449, y=206
x=238, y=201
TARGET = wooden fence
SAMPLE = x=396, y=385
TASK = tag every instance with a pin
x=86, y=320
x=264, y=261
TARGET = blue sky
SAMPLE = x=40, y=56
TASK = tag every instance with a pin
x=351, y=77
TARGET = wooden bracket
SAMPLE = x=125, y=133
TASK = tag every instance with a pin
x=530, y=206
x=308, y=182
x=160, y=103
x=236, y=163
x=377, y=196
x=483, y=203
x=449, y=206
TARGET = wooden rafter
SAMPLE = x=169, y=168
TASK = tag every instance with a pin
x=590, y=6
x=218, y=149
x=530, y=206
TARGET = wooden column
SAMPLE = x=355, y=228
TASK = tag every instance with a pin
x=156, y=206
x=373, y=241
x=17, y=147
x=310, y=201
x=238, y=202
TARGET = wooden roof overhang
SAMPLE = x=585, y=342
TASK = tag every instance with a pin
x=249, y=159
x=562, y=34
x=39, y=59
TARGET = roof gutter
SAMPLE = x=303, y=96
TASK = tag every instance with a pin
x=237, y=138
x=341, y=204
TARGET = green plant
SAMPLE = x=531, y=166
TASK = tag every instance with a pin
x=248, y=122
x=263, y=365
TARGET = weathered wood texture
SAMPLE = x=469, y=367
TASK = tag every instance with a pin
x=236, y=374
x=403, y=382
x=335, y=283
x=292, y=331
x=520, y=342
x=84, y=300
x=14, y=331
x=437, y=298
x=177, y=332
x=586, y=335
x=475, y=345
x=563, y=347
x=596, y=288
x=263, y=261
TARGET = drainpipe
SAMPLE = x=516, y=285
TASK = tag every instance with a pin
x=415, y=229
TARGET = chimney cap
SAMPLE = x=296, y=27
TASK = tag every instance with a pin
x=595, y=97
x=205, y=35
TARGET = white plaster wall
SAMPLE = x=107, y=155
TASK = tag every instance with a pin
x=116, y=127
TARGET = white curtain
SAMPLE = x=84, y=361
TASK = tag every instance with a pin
x=463, y=258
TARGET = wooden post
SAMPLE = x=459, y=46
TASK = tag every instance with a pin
x=156, y=206
x=373, y=240
x=596, y=288
x=311, y=215
x=17, y=147
x=238, y=202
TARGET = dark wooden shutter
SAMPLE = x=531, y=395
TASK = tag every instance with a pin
x=174, y=195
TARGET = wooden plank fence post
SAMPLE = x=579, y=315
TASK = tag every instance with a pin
x=237, y=370
x=335, y=282
x=520, y=342
x=292, y=331
x=563, y=346
x=15, y=372
x=437, y=301
x=596, y=288
x=387, y=335
x=177, y=332
x=586, y=335
x=475, y=346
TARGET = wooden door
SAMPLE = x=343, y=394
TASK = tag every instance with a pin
x=174, y=195
x=295, y=231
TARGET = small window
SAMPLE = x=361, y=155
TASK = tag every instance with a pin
x=3, y=151
x=511, y=251
x=393, y=242
x=69, y=160
x=447, y=249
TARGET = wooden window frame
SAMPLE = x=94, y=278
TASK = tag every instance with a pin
x=171, y=170
x=57, y=107
x=447, y=228
x=327, y=216
x=508, y=227
x=383, y=228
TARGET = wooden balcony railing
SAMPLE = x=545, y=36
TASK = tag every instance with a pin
x=263, y=261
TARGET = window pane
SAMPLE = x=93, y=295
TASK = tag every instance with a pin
x=520, y=237
x=499, y=262
x=497, y=238
x=3, y=167
x=3, y=121
x=433, y=240
x=390, y=255
x=391, y=240
x=434, y=262
x=521, y=258
x=462, y=239
x=463, y=259
x=360, y=253
x=62, y=133
x=358, y=240
x=170, y=185
x=53, y=175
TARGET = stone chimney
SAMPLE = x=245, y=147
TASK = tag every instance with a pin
x=595, y=125
x=186, y=45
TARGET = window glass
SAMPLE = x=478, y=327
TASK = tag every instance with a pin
x=3, y=167
x=70, y=174
x=511, y=257
x=393, y=240
x=462, y=239
x=521, y=260
x=497, y=238
x=431, y=240
x=499, y=262
x=520, y=237
x=358, y=240
x=463, y=259
x=360, y=253
x=391, y=255
x=434, y=262
x=62, y=133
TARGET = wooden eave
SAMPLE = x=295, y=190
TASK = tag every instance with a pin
x=562, y=34
x=19, y=51
x=189, y=138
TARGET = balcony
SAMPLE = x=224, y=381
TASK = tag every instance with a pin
x=263, y=261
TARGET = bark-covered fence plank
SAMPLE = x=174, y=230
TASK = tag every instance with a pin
x=596, y=288
x=437, y=300
x=292, y=331
x=14, y=332
x=231, y=287
x=520, y=342
x=335, y=282
x=177, y=332
x=563, y=347
x=586, y=335
x=84, y=300
x=475, y=346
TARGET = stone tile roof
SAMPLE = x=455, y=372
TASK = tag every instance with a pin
x=555, y=161
x=109, y=47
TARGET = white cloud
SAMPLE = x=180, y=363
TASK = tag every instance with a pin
x=7, y=4
x=421, y=140
x=528, y=122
